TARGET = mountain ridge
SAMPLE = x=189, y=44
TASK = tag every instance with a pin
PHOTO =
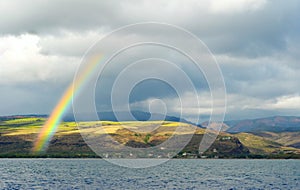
x=272, y=124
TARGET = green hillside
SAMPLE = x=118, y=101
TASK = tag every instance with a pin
x=18, y=134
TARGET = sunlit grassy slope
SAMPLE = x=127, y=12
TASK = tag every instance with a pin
x=285, y=138
x=261, y=145
x=26, y=126
x=18, y=134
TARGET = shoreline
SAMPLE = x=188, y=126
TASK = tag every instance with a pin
x=99, y=158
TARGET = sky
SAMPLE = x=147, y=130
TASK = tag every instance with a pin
x=255, y=42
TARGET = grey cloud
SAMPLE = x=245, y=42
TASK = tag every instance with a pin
x=73, y=44
x=30, y=98
x=258, y=49
x=264, y=78
x=251, y=34
x=44, y=17
x=149, y=88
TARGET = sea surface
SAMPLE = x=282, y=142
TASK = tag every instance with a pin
x=174, y=174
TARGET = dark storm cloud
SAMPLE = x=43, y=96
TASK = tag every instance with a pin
x=33, y=98
x=265, y=79
x=251, y=34
x=256, y=43
x=246, y=33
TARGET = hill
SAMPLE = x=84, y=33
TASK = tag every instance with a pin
x=291, y=139
x=271, y=124
x=272, y=135
x=18, y=135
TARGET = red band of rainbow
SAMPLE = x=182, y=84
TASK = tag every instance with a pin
x=50, y=127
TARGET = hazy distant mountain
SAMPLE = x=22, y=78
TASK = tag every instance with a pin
x=215, y=126
x=272, y=124
x=124, y=116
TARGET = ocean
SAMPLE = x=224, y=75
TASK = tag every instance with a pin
x=174, y=174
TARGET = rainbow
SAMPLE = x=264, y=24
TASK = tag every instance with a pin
x=64, y=104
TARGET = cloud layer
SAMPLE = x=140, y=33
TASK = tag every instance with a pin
x=256, y=43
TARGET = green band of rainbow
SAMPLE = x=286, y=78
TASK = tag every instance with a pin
x=51, y=125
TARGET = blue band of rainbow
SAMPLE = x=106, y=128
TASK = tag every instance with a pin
x=50, y=127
